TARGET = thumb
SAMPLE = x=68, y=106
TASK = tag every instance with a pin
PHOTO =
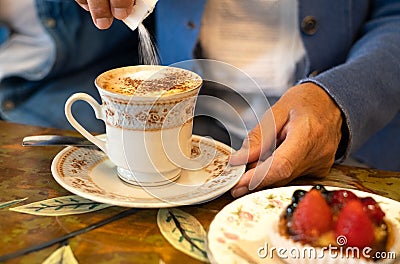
x=259, y=142
x=250, y=150
x=283, y=167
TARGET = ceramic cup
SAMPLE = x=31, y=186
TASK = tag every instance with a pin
x=148, y=111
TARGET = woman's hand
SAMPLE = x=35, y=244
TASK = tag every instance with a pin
x=308, y=131
x=104, y=11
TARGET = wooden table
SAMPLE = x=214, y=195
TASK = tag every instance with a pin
x=25, y=172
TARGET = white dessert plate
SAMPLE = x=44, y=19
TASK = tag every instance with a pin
x=89, y=173
x=240, y=232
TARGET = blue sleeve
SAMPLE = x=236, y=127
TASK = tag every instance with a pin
x=366, y=86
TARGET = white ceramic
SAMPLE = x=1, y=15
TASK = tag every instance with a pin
x=149, y=126
x=89, y=173
x=246, y=229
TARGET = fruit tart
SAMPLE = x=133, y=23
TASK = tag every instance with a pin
x=344, y=227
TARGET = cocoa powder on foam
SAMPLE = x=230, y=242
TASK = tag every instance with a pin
x=167, y=82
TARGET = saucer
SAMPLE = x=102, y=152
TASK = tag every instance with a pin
x=87, y=172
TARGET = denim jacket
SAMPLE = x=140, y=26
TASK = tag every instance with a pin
x=82, y=52
x=353, y=53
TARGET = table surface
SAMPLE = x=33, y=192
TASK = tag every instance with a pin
x=25, y=172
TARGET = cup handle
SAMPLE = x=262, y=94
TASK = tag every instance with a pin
x=71, y=119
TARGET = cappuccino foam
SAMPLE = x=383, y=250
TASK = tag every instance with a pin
x=148, y=81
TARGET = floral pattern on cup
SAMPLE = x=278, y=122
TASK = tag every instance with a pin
x=149, y=115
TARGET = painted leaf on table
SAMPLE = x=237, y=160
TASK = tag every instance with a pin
x=65, y=205
x=184, y=232
x=10, y=203
x=62, y=255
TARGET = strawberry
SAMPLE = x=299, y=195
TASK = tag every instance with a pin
x=340, y=197
x=353, y=223
x=373, y=210
x=312, y=217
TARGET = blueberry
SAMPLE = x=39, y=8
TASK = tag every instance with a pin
x=290, y=210
x=320, y=188
x=298, y=195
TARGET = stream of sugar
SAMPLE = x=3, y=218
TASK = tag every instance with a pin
x=148, y=54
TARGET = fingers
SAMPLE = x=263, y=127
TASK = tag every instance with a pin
x=121, y=8
x=257, y=149
x=250, y=150
x=283, y=166
x=278, y=169
x=83, y=4
x=103, y=11
x=260, y=142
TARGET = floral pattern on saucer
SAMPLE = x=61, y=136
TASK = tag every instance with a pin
x=89, y=173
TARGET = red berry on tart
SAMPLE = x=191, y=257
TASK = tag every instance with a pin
x=312, y=217
x=319, y=217
x=354, y=223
